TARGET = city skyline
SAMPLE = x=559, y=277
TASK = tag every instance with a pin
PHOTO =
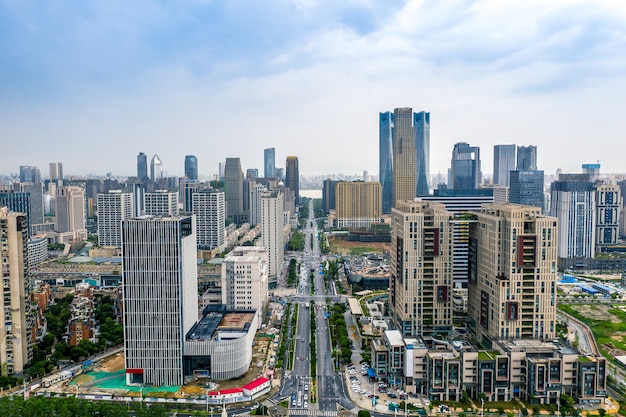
x=93, y=86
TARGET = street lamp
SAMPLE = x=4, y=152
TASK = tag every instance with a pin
x=482, y=410
x=558, y=407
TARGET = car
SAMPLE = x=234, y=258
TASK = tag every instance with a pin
x=306, y=387
x=391, y=395
x=306, y=404
x=306, y=397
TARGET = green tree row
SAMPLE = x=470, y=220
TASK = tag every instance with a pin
x=73, y=407
x=296, y=242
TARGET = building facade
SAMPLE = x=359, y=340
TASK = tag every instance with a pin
x=161, y=203
x=16, y=349
x=292, y=177
x=465, y=173
x=527, y=188
x=245, y=279
x=209, y=208
x=608, y=214
x=160, y=289
x=70, y=212
x=503, y=163
x=527, y=158
x=233, y=189
x=385, y=160
x=142, y=166
x=191, y=167
x=404, y=156
x=512, y=273
x=358, y=204
x=272, y=237
x=421, y=268
x=421, y=123
x=269, y=163
x=113, y=207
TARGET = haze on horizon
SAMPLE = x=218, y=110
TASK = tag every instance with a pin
x=93, y=84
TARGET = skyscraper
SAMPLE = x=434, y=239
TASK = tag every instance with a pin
x=16, y=348
x=156, y=168
x=191, y=167
x=29, y=174
x=255, y=214
x=269, y=163
x=358, y=204
x=421, y=122
x=18, y=202
x=512, y=273
x=526, y=158
x=329, y=195
x=385, y=159
x=608, y=212
x=527, y=188
x=161, y=203
x=233, y=185
x=35, y=190
x=503, y=163
x=421, y=268
x=404, y=156
x=272, y=238
x=54, y=176
x=465, y=171
x=573, y=202
x=252, y=174
x=209, y=208
x=160, y=286
x=113, y=208
x=142, y=166
x=292, y=177
x=70, y=210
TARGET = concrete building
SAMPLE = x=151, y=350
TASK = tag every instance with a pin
x=36, y=215
x=161, y=203
x=272, y=237
x=255, y=215
x=292, y=177
x=160, y=286
x=512, y=267
x=16, y=348
x=209, y=208
x=70, y=213
x=233, y=190
x=358, y=204
x=421, y=268
x=608, y=214
x=245, y=279
x=404, y=156
x=113, y=207
x=573, y=202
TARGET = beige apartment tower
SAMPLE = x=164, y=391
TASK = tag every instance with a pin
x=421, y=268
x=358, y=204
x=512, y=273
x=404, y=156
x=272, y=232
x=15, y=335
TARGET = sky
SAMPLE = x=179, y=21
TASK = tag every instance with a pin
x=92, y=84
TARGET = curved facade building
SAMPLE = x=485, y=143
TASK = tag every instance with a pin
x=385, y=159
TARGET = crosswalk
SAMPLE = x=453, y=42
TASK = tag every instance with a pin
x=302, y=412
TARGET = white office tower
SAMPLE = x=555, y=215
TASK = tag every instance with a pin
x=70, y=213
x=15, y=347
x=160, y=285
x=272, y=225
x=245, y=280
x=113, y=207
x=210, y=209
x=161, y=203
x=255, y=204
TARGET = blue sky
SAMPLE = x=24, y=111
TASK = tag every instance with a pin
x=91, y=84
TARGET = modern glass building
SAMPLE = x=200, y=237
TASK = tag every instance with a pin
x=527, y=188
x=503, y=163
x=465, y=173
x=385, y=160
x=421, y=123
x=526, y=158
x=404, y=156
x=191, y=167
x=292, y=176
x=142, y=166
x=269, y=163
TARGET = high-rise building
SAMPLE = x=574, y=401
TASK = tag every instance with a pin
x=191, y=167
x=70, y=209
x=161, y=203
x=233, y=187
x=526, y=158
x=156, y=168
x=385, y=160
x=54, y=175
x=29, y=174
x=513, y=273
x=160, y=292
x=142, y=166
x=269, y=163
x=608, y=213
x=527, y=188
x=329, y=195
x=252, y=174
x=255, y=214
x=421, y=122
x=358, y=204
x=16, y=348
x=60, y=172
x=18, y=202
x=421, y=268
x=465, y=171
x=245, y=279
x=210, y=211
x=404, y=156
x=503, y=163
x=593, y=170
x=35, y=190
x=292, y=178
x=272, y=235
x=113, y=208
x=573, y=202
